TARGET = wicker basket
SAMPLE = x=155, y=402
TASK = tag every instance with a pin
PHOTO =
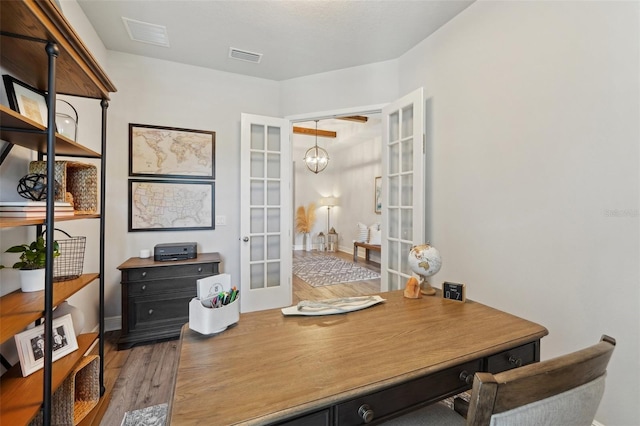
x=77, y=396
x=68, y=266
x=78, y=183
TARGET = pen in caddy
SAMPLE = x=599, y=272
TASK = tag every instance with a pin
x=216, y=306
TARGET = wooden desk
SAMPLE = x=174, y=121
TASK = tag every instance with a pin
x=395, y=356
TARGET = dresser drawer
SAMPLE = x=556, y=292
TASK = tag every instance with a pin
x=406, y=395
x=319, y=418
x=194, y=270
x=163, y=286
x=159, y=311
x=516, y=357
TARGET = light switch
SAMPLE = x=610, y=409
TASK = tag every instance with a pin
x=221, y=220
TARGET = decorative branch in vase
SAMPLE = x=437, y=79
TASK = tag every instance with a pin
x=305, y=219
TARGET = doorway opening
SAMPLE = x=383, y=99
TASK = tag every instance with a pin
x=354, y=146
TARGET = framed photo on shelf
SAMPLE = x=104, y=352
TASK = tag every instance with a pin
x=171, y=205
x=27, y=100
x=30, y=344
x=377, y=195
x=171, y=153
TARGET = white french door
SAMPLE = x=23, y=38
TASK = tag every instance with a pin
x=403, y=206
x=265, y=213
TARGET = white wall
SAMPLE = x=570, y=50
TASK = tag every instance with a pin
x=533, y=123
x=169, y=94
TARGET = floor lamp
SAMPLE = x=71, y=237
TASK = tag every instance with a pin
x=329, y=202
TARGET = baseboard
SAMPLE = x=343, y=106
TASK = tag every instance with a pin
x=596, y=423
x=113, y=323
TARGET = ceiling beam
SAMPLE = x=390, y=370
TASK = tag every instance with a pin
x=358, y=118
x=312, y=132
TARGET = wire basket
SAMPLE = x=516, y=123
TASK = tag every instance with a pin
x=68, y=265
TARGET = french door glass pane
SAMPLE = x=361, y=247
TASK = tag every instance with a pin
x=257, y=137
x=257, y=275
x=273, y=165
x=273, y=139
x=407, y=122
x=257, y=249
x=257, y=221
x=394, y=223
x=273, y=247
x=394, y=127
x=273, y=274
x=257, y=164
x=273, y=193
x=407, y=191
x=407, y=155
x=257, y=192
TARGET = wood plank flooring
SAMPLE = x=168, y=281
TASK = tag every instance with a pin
x=142, y=376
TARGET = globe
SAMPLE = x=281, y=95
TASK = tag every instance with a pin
x=425, y=261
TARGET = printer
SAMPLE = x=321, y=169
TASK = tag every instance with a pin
x=175, y=251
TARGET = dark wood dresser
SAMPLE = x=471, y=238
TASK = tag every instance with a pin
x=156, y=295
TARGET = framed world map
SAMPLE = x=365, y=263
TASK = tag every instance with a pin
x=161, y=205
x=171, y=152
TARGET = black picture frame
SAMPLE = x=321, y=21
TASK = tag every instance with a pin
x=171, y=205
x=26, y=100
x=186, y=153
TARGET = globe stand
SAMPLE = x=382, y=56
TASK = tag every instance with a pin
x=425, y=286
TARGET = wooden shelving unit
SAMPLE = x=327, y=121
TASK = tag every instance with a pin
x=39, y=47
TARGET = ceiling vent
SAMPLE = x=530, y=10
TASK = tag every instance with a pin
x=244, y=55
x=146, y=33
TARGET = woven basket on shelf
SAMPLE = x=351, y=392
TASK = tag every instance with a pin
x=78, y=183
x=77, y=396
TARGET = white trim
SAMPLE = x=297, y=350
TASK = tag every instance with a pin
x=322, y=115
x=596, y=423
x=113, y=323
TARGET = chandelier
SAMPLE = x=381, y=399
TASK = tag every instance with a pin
x=316, y=158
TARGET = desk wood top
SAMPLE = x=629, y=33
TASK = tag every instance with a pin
x=269, y=367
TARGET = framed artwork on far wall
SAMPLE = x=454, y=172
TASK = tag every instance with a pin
x=27, y=100
x=171, y=153
x=30, y=344
x=377, y=195
x=171, y=205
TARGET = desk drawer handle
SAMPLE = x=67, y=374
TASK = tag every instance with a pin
x=515, y=361
x=466, y=377
x=144, y=274
x=144, y=287
x=150, y=311
x=200, y=269
x=366, y=413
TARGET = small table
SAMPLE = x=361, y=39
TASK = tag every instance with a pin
x=306, y=370
x=156, y=295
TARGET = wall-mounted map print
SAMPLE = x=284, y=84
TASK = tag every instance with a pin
x=171, y=152
x=162, y=205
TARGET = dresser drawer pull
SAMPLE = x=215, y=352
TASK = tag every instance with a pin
x=150, y=311
x=144, y=274
x=466, y=377
x=200, y=269
x=144, y=287
x=366, y=413
x=515, y=361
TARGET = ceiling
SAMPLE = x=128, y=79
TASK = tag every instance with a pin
x=296, y=38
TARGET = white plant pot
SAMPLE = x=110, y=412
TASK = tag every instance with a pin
x=31, y=279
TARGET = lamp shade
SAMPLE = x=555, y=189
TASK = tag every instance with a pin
x=329, y=201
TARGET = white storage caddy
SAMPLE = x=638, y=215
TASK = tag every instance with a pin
x=213, y=320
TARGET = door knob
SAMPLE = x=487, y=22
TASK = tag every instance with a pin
x=245, y=239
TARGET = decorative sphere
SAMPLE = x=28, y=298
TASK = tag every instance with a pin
x=424, y=260
x=33, y=186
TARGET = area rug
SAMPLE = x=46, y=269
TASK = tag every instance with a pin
x=320, y=270
x=155, y=415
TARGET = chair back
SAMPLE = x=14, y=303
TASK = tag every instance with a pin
x=560, y=391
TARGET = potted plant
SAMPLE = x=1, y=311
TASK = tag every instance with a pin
x=32, y=263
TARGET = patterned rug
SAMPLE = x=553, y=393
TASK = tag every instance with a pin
x=155, y=415
x=319, y=270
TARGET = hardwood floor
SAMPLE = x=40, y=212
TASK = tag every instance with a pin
x=142, y=376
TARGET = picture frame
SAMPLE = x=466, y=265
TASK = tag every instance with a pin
x=30, y=344
x=171, y=205
x=171, y=152
x=26, y=100
x=377, y=195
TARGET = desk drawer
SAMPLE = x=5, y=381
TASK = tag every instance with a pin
x=319, y=418
x=157, y=272
x=516, y=357
x=388, y=401
x=159, y=311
